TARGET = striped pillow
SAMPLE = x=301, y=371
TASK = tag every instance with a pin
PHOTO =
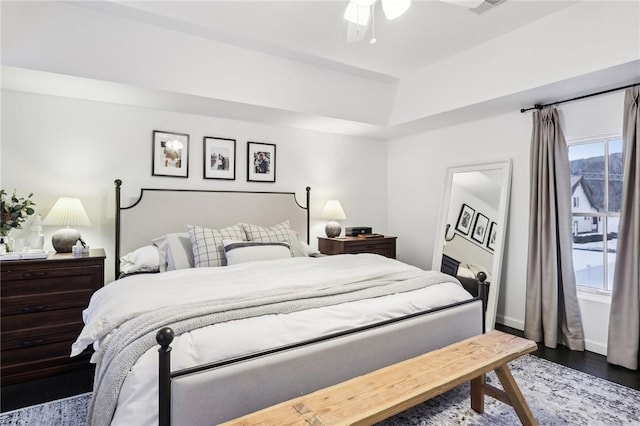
x=207, y=244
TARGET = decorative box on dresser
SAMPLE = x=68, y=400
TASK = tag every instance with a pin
x=385, y=245
x=42, y=303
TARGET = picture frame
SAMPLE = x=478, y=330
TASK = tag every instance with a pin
x=480, y=226
x=463, y=225
x=170, y=154
x=261, y=162
x=219, y=158
x=493, y=233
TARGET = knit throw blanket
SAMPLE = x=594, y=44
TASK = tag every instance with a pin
x=117, y=353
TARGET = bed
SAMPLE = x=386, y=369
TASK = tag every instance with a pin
x=256, y=320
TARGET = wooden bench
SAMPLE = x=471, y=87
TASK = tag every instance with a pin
x=378, y=395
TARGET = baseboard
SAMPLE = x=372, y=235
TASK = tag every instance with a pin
x=596, y=347
x=510, y=322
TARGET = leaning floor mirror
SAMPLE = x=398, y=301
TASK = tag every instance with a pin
x=471, y=231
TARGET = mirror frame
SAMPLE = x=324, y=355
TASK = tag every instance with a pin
x=503, y=213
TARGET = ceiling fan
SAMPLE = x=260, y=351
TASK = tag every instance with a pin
x=360, y=12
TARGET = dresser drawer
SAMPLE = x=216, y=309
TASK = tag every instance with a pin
x=385, y=246
x=29, y=369
x=39, y=319
x=43, y=302
x=37, y=336
x=55, y=280
x=367, y=246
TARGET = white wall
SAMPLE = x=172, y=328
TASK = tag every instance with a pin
x=54, y=146
x=415, y=166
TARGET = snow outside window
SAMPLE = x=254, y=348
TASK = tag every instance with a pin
x=596, y=186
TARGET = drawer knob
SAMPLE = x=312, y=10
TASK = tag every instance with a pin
x=30, y=309
x=34, y=274
x=34, y=342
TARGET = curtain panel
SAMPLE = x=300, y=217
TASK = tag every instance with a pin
x=624, y=317
x=552, y=313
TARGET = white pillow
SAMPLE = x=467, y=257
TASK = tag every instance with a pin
x=175, y=251
x=144, y=259
x=207, y=245
x=249, y=251
x=281, y=232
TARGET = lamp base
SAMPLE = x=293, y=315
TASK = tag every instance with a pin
x=332, y=229
x=63, y=239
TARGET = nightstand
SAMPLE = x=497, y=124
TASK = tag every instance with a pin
x=42, y=302
x=385, y=246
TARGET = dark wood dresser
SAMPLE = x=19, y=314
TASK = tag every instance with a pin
x=42, y=303
x=385, y=246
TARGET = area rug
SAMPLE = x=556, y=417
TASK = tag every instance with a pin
x=557, y=395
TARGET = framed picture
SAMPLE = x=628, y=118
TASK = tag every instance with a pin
x=464, y=219
x=493, y=231
x=219, y=158
x=170, y=154
x=480, y=228
x=261, y=162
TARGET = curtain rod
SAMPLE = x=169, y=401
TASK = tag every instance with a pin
x=539, y=106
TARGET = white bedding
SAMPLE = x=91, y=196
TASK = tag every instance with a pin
x=134, y=295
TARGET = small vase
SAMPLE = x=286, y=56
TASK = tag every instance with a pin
x=5, y=242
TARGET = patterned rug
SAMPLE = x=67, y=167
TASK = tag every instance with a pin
x=557, y=395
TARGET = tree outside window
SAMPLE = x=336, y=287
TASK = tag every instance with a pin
x=596, y=186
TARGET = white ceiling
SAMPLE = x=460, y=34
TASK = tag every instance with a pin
x=304, y=31
x=314, y=31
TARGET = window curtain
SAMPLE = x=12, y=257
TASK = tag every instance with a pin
x=552, y=313
x=624, y=317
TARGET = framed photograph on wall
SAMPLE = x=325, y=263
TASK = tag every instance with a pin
x=219, y=158
x=465, y=219
x=480, y=228
x=170, y=155
x=493, y=231
x=261, y=162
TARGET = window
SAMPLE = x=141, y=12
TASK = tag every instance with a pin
x=596, y=191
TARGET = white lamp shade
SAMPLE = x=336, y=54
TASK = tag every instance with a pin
x=67, y=212
x=357, y=13
x=394, y=8
x=333, y=211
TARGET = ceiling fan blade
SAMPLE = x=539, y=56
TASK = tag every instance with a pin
x=355, y=32
x=394, y=8
x=357, y=13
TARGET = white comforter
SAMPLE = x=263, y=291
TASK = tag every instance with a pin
x=132, y=296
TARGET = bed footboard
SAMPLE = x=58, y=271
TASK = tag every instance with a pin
x=218, y=392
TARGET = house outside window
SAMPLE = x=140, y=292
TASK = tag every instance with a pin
x=596, y=185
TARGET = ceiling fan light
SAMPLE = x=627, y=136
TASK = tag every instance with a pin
x=394, y=8
x=357, y=14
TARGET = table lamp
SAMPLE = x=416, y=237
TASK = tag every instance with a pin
x=66, y=212
x=333, y=211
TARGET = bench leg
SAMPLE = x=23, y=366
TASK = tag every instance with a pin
x=477, y=394
x=516, y=398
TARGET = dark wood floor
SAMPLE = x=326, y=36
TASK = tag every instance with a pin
x=587, y=362
x=25, y=394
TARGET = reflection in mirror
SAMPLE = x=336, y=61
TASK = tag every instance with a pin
x=471, y=232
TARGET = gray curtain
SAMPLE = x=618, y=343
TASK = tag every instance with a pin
x=552, y=313
x=624, y=318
